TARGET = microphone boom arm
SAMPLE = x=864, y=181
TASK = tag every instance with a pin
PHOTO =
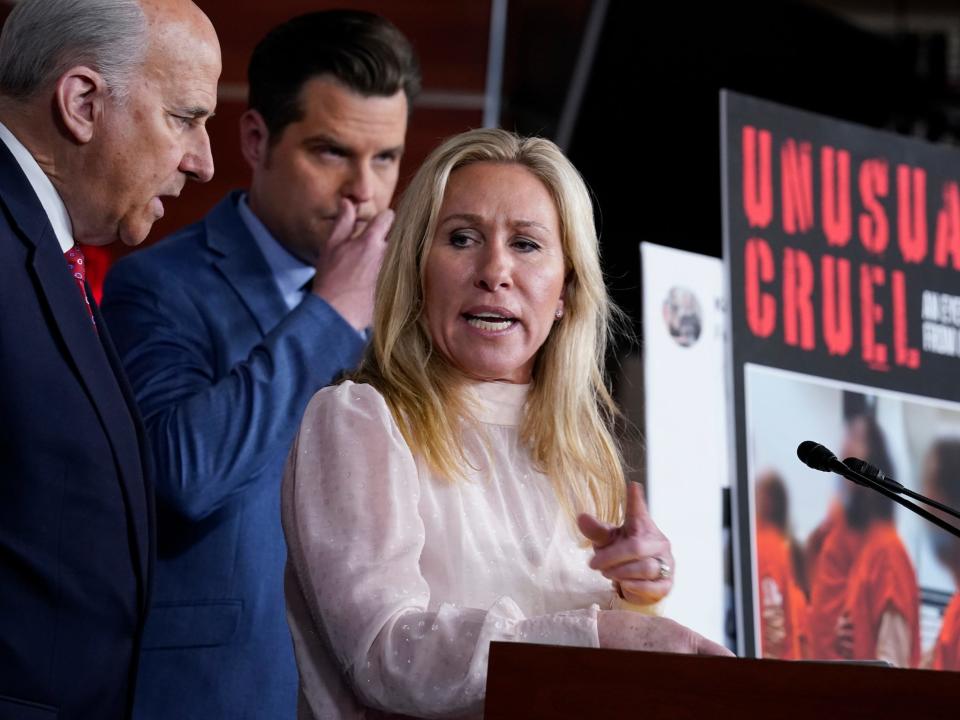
x=864, y=468
x=818, y=457
x=883, y=490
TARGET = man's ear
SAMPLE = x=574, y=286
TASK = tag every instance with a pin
x=80, y=97
x=254, y=139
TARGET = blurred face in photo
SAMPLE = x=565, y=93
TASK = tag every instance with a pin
x=945, y=546
x=856, y=441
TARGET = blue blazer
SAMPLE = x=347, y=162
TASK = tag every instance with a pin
x=75, y=508
x=222, y=371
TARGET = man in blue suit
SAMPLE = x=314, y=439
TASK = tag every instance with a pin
x=228, y=327
x=102, y=111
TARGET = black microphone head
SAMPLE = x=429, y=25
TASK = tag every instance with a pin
x=816, y=455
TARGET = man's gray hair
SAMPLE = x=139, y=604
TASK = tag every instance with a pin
x=42, y=39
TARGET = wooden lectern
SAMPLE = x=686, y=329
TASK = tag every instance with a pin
x=541, y=681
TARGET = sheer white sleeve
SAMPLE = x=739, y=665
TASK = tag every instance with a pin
x=352, y=518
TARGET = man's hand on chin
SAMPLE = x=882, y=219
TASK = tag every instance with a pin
x=349, y=262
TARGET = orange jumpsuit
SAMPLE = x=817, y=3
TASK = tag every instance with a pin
x=801, y=622
x=829, y=574
x=780, y=596
x=882, y=578
x=946, y=653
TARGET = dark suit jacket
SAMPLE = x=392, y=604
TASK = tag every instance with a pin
x=222, y=371
x=75, y=509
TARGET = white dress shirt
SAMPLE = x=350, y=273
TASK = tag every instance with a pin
x=47, y=194
x=397, y=580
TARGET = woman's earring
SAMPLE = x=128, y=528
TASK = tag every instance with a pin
x=559, y=313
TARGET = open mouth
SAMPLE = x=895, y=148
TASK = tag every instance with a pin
x=490, y=321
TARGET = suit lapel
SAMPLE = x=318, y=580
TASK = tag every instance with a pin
x=69, y=319
x=243, y=265
x=137, y=495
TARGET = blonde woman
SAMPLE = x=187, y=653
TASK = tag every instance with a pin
x=431, y=505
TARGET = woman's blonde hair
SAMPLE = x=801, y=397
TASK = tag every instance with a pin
x=569, y=412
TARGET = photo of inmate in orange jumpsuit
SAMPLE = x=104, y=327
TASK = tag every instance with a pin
x=864, y=598
x=831, y=551
x=882, y=605
x=783, y=604
x=946, y=653
x=941, y=482
x=880, y=617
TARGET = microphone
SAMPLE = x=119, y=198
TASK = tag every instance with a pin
x=816, y=456
x=821, y=458
x=875, y=473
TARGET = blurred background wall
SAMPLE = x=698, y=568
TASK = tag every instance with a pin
x=629, y=88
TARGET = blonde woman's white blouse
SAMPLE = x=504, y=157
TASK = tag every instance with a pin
x=397, y=580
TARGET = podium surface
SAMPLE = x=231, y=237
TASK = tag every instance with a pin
x=541, y=681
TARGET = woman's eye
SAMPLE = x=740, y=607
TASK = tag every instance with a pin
x=460, y=239
x=525, y=245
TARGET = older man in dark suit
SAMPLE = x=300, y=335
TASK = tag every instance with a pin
x=102, y=110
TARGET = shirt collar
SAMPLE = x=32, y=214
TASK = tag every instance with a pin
x=46, y=193
x=498, y=403
x=289, y=272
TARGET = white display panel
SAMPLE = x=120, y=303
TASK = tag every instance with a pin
x=687, y=460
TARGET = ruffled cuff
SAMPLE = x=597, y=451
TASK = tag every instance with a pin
x=576, y=628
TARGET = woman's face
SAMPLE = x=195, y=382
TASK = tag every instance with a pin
x=856, y=443
x=945, y=546
x=495, y=273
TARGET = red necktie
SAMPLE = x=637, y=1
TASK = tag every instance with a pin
x=78, y=269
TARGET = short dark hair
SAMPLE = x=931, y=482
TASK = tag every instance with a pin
x=363, y=51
